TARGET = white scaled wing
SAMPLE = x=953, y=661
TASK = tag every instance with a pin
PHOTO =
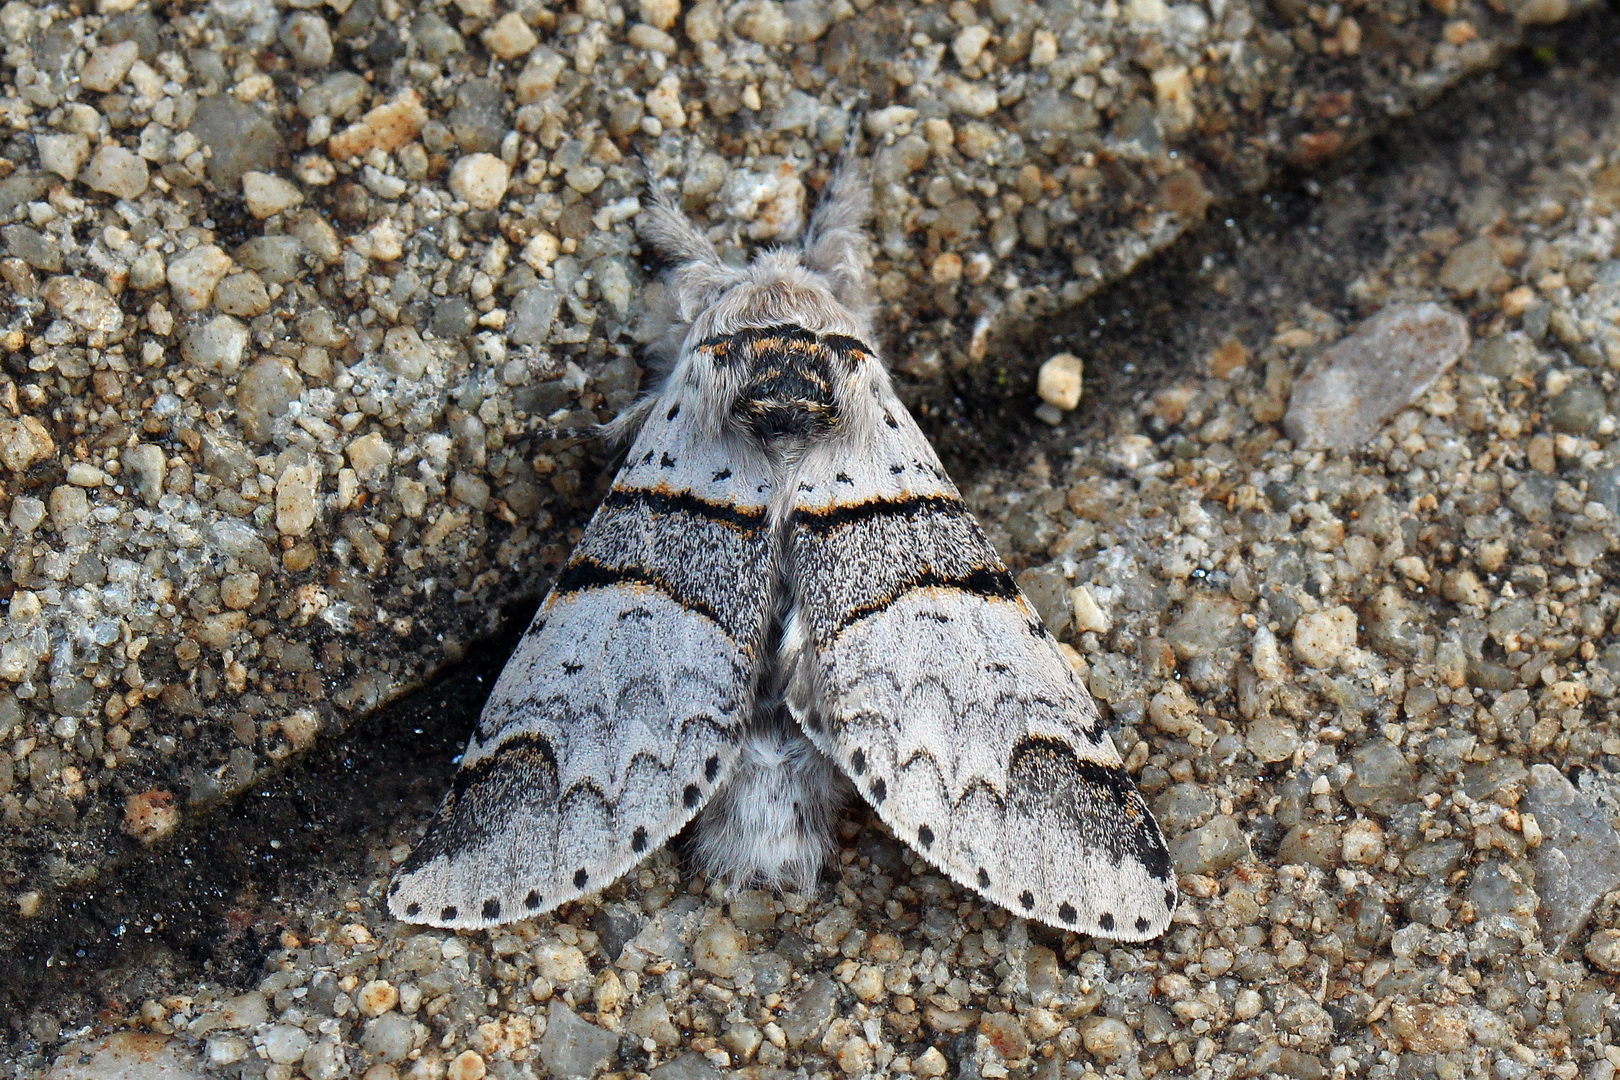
x=920, y=669
x=620, y=712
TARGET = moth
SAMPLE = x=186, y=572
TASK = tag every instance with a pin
x=784, y=598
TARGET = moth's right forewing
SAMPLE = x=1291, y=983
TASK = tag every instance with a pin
x=619, y=713
x=922, y=671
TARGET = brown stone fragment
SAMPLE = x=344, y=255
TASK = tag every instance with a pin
x=1183, y=192
x=151, y=815
x=387, y=128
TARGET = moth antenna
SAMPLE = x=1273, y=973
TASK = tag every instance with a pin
x=835, y=242
x=700, y=273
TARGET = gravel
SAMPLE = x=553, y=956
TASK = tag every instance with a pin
x=283, y=343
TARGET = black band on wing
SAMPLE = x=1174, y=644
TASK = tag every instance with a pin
x=747, y=519
x=584, y=574
x=989, y=582
x=839, y=515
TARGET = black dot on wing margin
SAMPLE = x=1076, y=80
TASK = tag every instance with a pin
x=1106, y=920
x=711, y=768
x=983, y=878
x=448, y=913
x=857, y=761
x=1026, y=900
x=880, y=790
x=532, y=901
x=638, y=839
x=492, y=908
x=691, y=795
x=1067, y=913
x=413, y=910
x=581, y=876
x=1142, y=924
x=925, y=836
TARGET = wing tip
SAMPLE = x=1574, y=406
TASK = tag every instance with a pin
x=1078, y=914
x=430, y=894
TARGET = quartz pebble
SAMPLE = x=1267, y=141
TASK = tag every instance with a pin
x=388, y=1037
x=24, y=442
x=1106, y=1039
x=377, y=997
x=719, y=949
x=388, y=127
x=467, y=1065
x=1578, y=859
x=108, y=65
x=63, y=155
x=266, y=391
x=571, y=1047
x=129, y=1055
x=1211, y=847
x=1603, y=949
x=509, y=37
x=285, y=1044
x=193, y=276
x=1325, y=638
x=1060, y=380
x=240, y=137
x=116, y=171
x=219, y=344
x=247, y=1010
x=83, y=302
x=296, y=505
x=480, y=180
x=267, y=194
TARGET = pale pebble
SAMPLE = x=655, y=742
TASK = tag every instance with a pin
x=1061, y=381
x=267, y=194
x=480, y=180
x=193, y=276
x=117, y=172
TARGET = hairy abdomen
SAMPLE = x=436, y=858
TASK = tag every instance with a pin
x=771, y=824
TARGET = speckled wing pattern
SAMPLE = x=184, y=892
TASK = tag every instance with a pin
x=620, y=712
x=923, y=672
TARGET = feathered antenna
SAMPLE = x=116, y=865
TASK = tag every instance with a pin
x=700, y=274
x=835, y=244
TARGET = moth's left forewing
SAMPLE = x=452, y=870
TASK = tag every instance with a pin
x=920, y=668
x=619, y=714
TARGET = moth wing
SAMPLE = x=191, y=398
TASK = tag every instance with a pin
x=919, y=667
x=621, y=709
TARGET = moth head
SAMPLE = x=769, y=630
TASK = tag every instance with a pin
x=819, y=284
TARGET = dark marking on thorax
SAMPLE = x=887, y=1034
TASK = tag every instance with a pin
x=791, y=377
